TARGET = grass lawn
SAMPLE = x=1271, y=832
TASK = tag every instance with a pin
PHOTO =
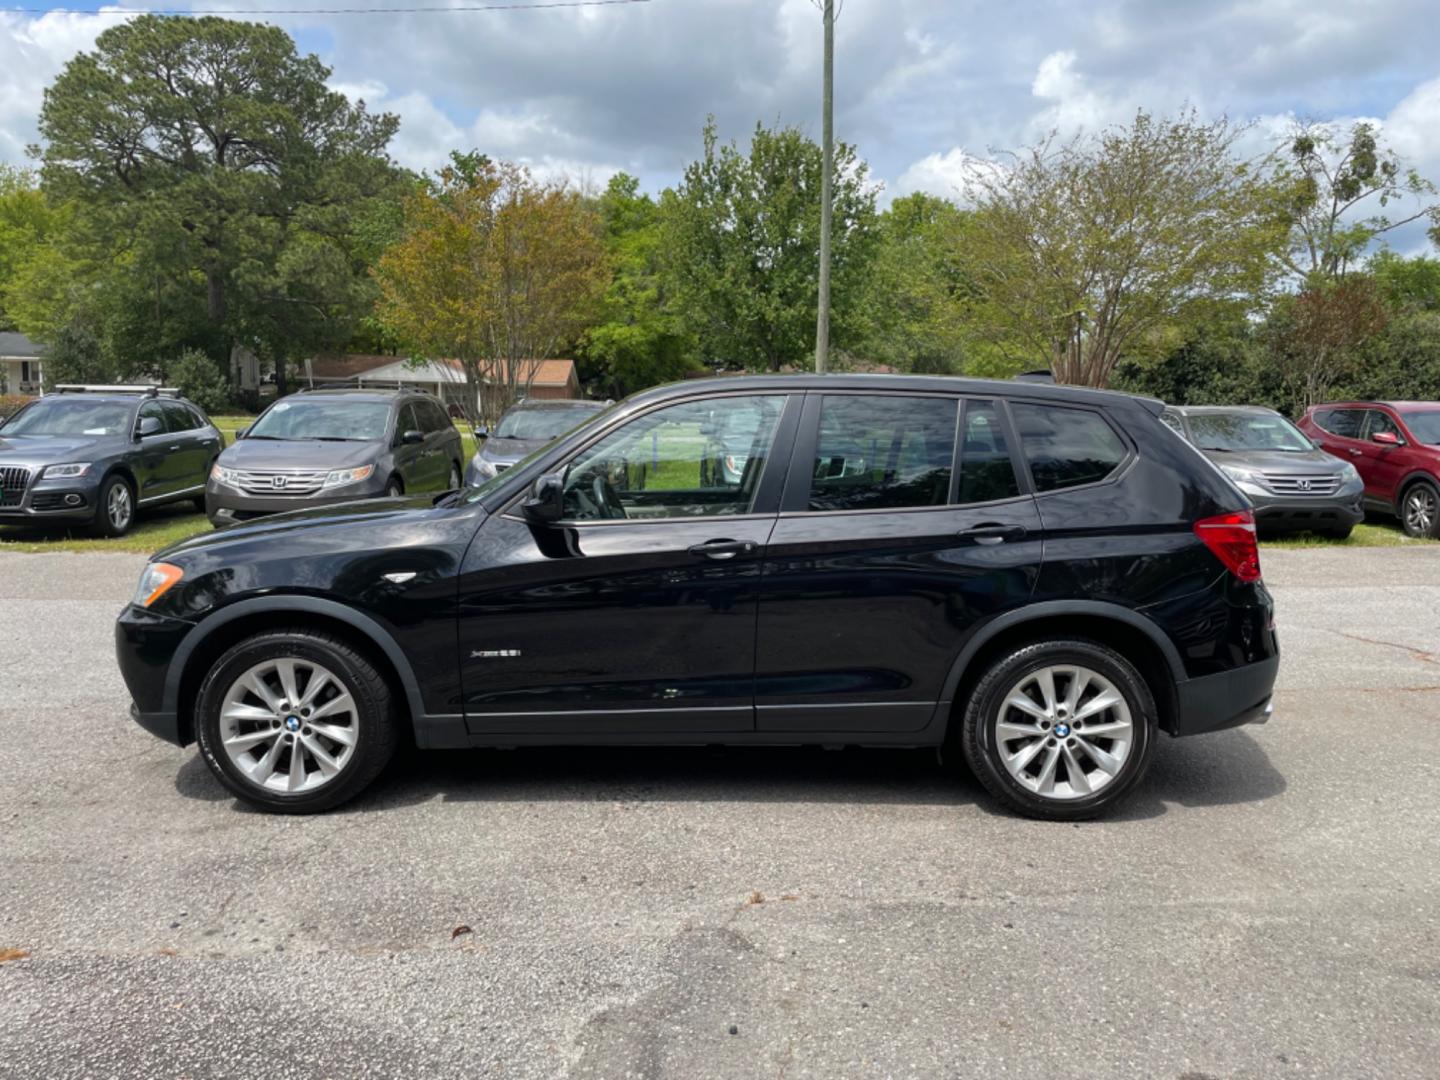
x=1378, y=532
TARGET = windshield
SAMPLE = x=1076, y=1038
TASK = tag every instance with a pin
x=333, y=419
x=1247, y=431
x=1423, y=424
x=540, y=423
x=71, y=416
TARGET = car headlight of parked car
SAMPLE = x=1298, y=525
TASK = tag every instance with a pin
x=1247, y=480
x=157, y=579
x=73, y=469
x=229, y=477
x=1349, y=475
x=339, y=477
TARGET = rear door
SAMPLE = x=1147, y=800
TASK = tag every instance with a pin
x=893, y=542
x=1340, y=431
x=188, y=446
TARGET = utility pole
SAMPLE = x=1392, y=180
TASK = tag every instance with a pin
x=827, y=199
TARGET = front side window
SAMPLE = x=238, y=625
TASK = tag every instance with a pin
x=1237, y=431
x=59, y=415
x=333, y=420
x=1343, y=422
x=987, y=472
x=883, y=452
x=1381, y=422
x=151, y=411
x=1423, y=424
x=1066, y=447
x=694, y=459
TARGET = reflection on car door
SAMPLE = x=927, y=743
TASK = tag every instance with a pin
x=637, y=612
x=884, y=557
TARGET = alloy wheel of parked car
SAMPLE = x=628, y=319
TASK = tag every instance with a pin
x=1059, y=729
x=295, y=721
x=1421, y=511
x=116, y=510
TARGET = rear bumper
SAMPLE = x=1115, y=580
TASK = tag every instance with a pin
x=1226, y=699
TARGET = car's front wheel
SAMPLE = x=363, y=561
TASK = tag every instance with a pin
x=115, y=508
x=1060, y=729
x=295, y=721
x=1420, y=510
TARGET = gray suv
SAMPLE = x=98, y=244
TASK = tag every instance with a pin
x=1293, y=484
x=331, y=446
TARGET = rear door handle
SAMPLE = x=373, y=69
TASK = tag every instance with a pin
x=993, y=533
x=724, y=549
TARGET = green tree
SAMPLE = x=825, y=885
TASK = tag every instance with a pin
x=1317, y=334
x=742, y=240
x=28, y=220
x=74, y=356
x=496, y=269
x=1102, y=247
x=1340, y=193
x=1412, y=283
x=215, y=160
x=639, y=339
x=200, y=379
x=917, y=288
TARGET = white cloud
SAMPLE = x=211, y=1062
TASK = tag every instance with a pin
x=32, y=52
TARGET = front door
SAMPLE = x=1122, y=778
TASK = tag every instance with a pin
x=1385, y=464
x=636, y=613
x=884, y=558
x=157, y=463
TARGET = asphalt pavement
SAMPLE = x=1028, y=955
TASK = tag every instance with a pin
x=1267, y=904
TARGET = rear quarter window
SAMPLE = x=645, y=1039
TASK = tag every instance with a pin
x=1066, y=447
x=1342, y=422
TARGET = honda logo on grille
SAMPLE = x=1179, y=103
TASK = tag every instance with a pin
x=279, y=481
x=1303, y=485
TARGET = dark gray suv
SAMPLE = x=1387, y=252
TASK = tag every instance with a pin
x=332, y=446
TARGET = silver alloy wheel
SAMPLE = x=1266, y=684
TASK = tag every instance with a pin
x=118, y=508
x=1064, y=732
x=289, y=725
x=1420, y=510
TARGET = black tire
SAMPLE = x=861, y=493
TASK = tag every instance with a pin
x=112, y=489
x=1341, y=533
x=457, y=477
x=375, y=723
x=984, y=710
x=394, y=488
x=1420, y=510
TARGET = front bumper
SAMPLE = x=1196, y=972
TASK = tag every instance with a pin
x=226, y=506
x=70, y=498
x=1227, y=699
x=145, y=644
x=1294, y=513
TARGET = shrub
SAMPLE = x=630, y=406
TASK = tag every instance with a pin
x=10, y=404
x=200, y=379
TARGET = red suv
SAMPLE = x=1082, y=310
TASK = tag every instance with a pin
x=1395, y=446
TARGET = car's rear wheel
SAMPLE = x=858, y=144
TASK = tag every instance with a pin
x=1060, y=730
x=1420, y=510
x=295, y=721
x=115, y=507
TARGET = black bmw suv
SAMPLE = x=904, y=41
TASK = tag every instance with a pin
x=1043, y=577
x=95, y=454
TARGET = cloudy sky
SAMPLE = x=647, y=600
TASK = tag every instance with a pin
x=920, y=83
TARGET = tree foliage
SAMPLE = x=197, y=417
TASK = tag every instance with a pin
x=1086, y=251
x=496, y=269
x=28, y=220
x=1317, y=333
x=742, y=240
x=210, y=158
x=200, y=379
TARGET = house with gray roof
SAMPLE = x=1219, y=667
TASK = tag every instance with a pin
x=19, y=364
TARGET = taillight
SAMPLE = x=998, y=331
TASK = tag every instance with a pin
x=1232, y=538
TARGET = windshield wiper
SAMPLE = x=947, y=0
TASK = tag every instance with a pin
x=334, y=438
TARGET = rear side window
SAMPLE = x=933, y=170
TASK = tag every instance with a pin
x=1066, y=447
x=987, y=472
x=1343, y=422
x=178, y=418
x=880, y=452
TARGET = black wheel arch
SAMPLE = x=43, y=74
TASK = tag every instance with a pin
x=1128, y=632
x=229, y=625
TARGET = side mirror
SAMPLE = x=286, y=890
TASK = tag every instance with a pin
x=412, y=438
x=1385, y=438
x=482, y=432
x=150, y=425
x=546, y=503
x=241, y=433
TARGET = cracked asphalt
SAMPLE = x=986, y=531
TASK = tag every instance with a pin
x=1268, y=904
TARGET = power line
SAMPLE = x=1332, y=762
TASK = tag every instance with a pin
x=125, y=14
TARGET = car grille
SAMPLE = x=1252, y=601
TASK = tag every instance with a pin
x=13, y=482
x=1293, y=484
x=275, y=483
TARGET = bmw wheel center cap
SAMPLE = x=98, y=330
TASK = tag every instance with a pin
x=1062, y=731
x=292, y=723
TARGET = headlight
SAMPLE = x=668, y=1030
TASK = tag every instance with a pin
x=76, y=468
x=1249, y=481
x=229, y=477
x=1348, y=474
x=338, y=477
x=483, y=469
x=155, y=582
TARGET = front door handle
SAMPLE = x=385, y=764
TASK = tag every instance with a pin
x=993, y=533
x=1354, y=452
x=723, y=549
x=172, y=449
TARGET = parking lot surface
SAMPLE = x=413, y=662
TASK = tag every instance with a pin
x=1268, y=904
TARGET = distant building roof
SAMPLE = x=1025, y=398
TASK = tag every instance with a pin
x=15, y=346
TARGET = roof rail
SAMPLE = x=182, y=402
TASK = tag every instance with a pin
x=94, y=388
